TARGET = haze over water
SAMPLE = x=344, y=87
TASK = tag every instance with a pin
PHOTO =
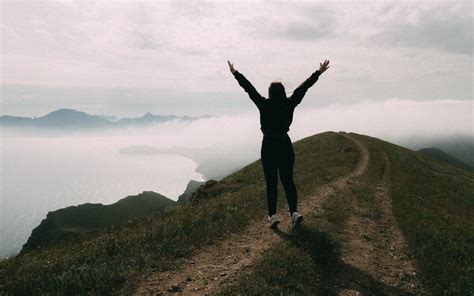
x=42, y=174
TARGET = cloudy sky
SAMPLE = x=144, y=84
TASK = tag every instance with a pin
x=126, y=59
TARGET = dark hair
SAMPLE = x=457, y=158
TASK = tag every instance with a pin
x=276, y=90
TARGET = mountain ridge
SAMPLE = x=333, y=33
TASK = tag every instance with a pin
x=64, y=118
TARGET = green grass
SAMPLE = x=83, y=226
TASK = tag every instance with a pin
x=114, y=259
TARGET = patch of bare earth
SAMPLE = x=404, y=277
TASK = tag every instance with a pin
x=382, y=256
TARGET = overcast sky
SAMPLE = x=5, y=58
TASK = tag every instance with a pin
x=127, y=58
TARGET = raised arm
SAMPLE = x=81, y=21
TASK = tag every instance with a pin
x=301, y=90
x=247, y=86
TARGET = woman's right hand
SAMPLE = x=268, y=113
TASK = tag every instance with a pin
x=323, y=66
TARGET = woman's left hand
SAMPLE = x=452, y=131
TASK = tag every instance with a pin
x=231, y=67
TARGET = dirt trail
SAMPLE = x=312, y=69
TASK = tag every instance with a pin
x=221, y=263
x=376, y=246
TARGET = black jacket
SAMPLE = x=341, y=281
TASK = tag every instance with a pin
x=276, y=115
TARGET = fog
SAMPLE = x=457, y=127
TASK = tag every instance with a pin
x=238, y=137
x=393, y=120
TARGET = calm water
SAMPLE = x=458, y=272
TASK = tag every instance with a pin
x=39, y=175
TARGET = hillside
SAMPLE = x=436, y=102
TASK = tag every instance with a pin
x=445, y=157
x=379, y=219
x=71, y=221
x=460, y=146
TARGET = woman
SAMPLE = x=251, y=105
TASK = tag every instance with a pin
x=277, y=156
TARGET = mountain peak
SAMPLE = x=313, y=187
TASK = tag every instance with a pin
x=148, y=115
x=64, y=112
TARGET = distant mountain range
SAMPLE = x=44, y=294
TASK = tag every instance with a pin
x=70, y=118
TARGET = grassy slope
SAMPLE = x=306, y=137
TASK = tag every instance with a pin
x=434, y=206
x=113, y=259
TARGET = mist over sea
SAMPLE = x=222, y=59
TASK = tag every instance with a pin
x=42, y=174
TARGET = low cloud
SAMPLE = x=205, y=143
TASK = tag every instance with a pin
x=238, y=137
x=392, y=120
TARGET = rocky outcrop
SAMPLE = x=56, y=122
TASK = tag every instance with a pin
x=192, y=186
x=202, y=192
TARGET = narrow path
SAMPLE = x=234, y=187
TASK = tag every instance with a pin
x=222, y=262
x=375, y=245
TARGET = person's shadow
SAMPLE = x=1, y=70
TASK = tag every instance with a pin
x=335, y=274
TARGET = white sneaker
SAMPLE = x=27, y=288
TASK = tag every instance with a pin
x=273, y=220
x=296, y=218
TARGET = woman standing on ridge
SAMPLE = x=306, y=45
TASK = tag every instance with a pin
x=277, y=156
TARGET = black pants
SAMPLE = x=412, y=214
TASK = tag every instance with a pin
x=277, y=156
